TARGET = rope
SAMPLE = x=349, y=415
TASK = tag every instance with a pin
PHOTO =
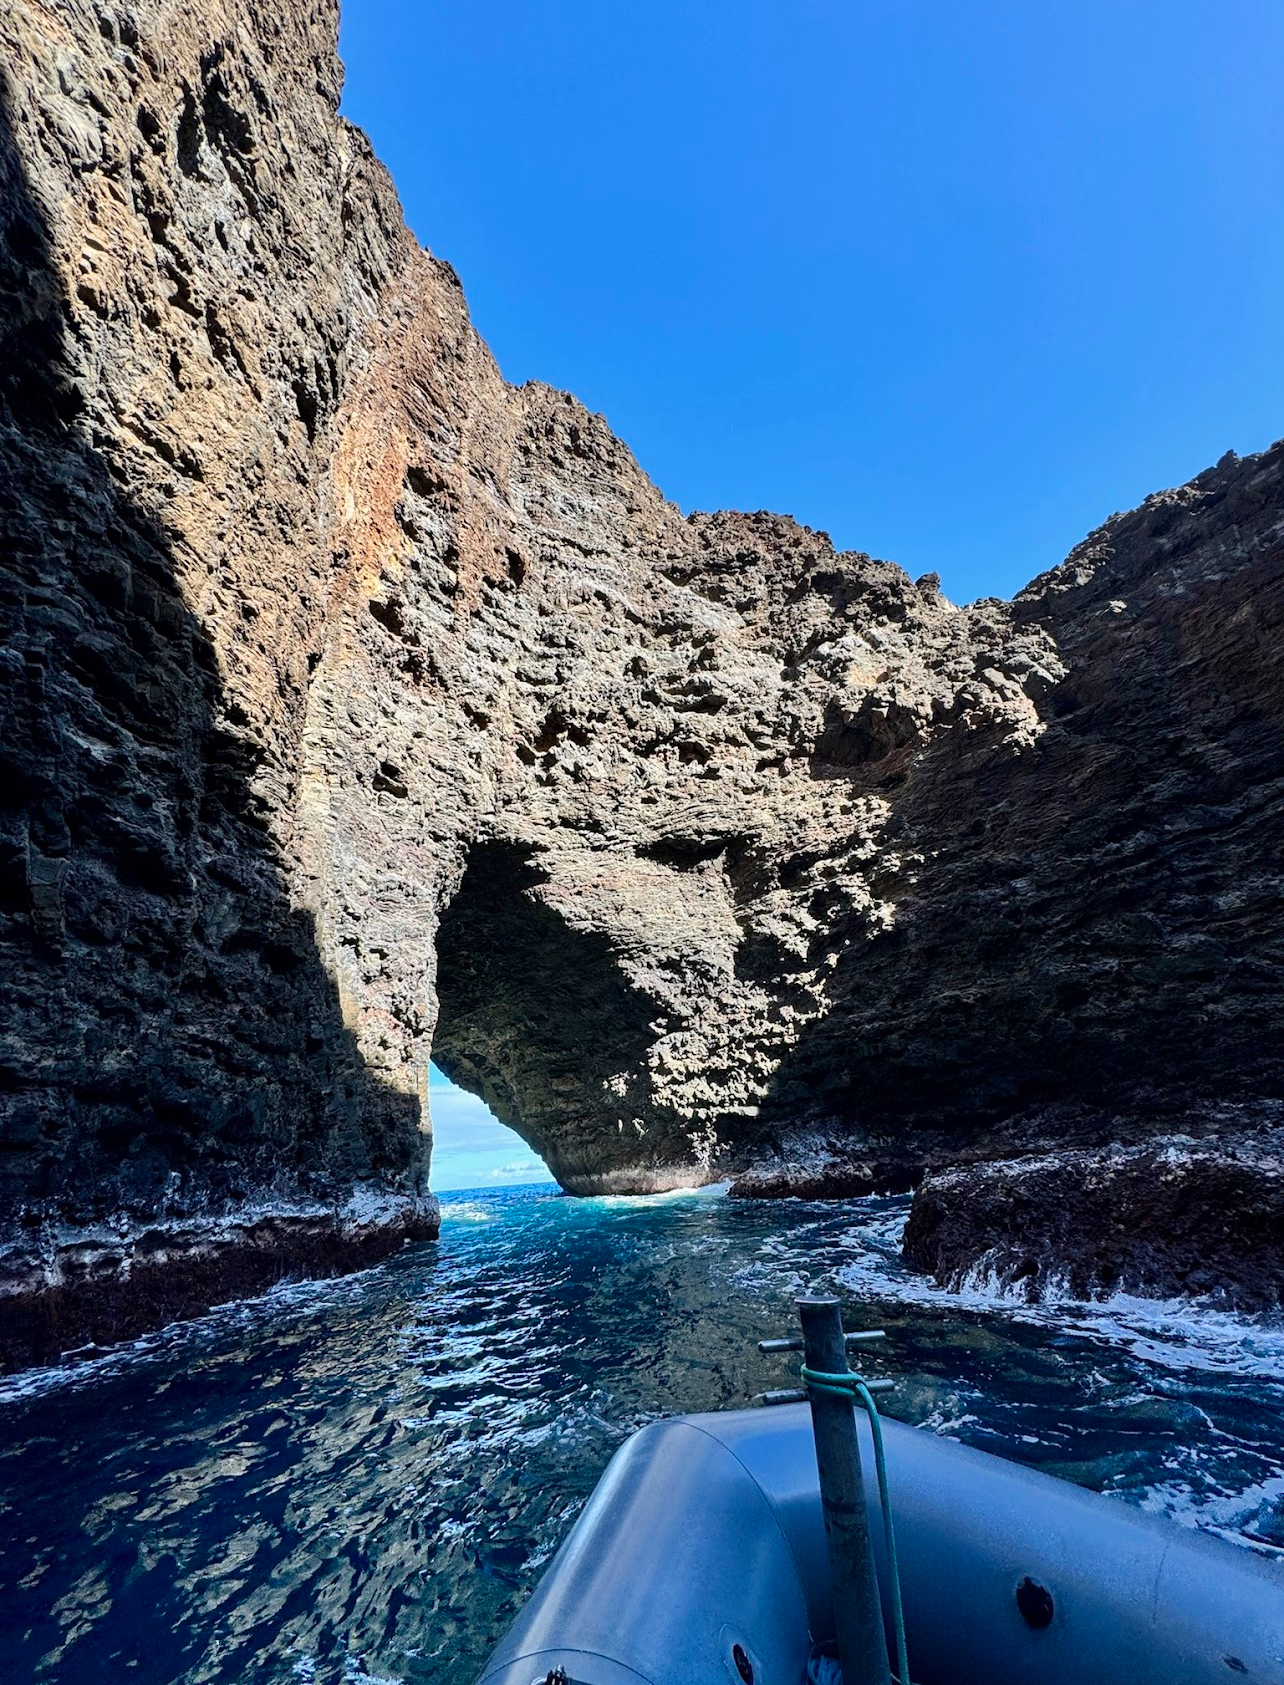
x=848, y=1386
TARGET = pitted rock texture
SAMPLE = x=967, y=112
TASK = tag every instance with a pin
x=1176, y=1217
x=181, y=293
x=359, y=705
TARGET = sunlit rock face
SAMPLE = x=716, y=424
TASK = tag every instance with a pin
x=798, y=870
x=358, y=705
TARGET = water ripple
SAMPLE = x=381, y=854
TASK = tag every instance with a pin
x=356, y=1483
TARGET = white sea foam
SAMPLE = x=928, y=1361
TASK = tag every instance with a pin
x=354, y=1673
x=699, y=1190
x=1231, y=1515
x=1171, y=1333
x=465, y=1211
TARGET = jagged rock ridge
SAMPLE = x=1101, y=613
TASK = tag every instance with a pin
x=1171, y=1217
x=359, y=705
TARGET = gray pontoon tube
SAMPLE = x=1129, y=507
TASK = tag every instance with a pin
x=700, y=1560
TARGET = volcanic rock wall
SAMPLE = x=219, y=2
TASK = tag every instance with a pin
x=186, y=1110
x=1169, y=1217
x=357, y=704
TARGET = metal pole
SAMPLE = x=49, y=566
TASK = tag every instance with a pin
x=858, y=1614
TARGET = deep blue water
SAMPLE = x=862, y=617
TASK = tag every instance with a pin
x=360, y=1481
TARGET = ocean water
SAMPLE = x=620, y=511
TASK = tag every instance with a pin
x=360, y=1481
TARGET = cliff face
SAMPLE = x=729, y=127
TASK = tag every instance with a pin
x=187, y=1111
x=356, y=704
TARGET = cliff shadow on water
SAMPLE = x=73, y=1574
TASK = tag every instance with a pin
x=184, y=1116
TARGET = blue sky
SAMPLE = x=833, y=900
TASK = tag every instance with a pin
x=471, y=1148
x=953, y=282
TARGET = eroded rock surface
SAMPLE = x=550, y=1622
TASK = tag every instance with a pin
x=181, y=299
x=358, y=704
x=1176, y=1217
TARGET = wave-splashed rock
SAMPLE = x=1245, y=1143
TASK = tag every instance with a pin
x=1174, y=1218
x=357, y=704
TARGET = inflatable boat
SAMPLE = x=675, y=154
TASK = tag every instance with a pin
x=706, y=1556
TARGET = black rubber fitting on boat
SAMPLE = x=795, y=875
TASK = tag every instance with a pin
x=1035, y=1603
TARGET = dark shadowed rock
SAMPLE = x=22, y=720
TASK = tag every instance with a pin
x=1173, y=1218
x=104, y=1285
x=185, y=1112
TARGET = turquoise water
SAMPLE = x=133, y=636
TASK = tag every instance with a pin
x=361, y=1480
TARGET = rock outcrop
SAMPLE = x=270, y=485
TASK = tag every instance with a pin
x=1176, y=1217
x=357, y=704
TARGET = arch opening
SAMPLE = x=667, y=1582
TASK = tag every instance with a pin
x=472, y=1149
x=536, y=1016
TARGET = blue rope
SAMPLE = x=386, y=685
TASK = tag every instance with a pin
x=849, y=1386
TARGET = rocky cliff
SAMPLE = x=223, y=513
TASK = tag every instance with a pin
x=357, y=704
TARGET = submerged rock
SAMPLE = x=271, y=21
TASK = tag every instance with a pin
x=357, y=704
x=1175, y=1217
